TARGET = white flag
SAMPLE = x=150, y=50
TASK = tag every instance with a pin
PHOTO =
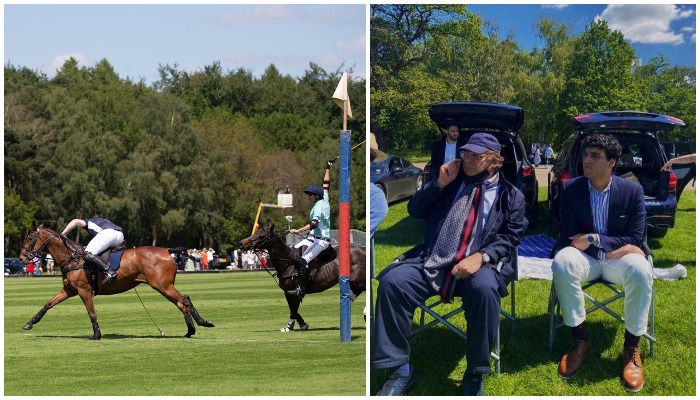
x=341, y=96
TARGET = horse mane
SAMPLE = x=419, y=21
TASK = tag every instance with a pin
x=70, y=244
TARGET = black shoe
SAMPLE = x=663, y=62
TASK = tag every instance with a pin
x=473, y=385
x=396, y=385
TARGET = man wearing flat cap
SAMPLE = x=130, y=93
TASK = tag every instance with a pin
x=474, y=217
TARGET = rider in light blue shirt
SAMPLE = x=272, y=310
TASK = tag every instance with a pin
x=320, y=225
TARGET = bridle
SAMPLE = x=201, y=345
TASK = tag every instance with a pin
x=260, y=246
x=33, y=252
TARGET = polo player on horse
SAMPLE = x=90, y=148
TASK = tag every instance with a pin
x=320, y=217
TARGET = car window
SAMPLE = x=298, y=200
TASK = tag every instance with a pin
x=565, y=154
x=395, y=162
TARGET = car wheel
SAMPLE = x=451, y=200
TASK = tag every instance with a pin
x=657, y=232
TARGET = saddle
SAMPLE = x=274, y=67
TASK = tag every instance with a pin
x=110, y=255
x=326, y=256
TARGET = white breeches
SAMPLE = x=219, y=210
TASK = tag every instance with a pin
x=316, y=246
x=104, y=240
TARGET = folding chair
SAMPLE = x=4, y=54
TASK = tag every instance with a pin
x=430, y=304
x=556, y=321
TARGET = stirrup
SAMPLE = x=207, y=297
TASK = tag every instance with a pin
x=298, y=291
x=109, y=275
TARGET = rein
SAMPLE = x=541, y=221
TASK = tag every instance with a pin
x=258, y=250
x=74, y=253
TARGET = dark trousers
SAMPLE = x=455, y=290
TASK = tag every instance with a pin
x=404, y=287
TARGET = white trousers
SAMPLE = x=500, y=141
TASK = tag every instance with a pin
x=572, y=266
x=104, y=240
x=316, y=246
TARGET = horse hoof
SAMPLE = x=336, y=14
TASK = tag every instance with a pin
x=208, y=324
x=27, y=327
x=304, y=327
x=285, y=329
x=94, y=337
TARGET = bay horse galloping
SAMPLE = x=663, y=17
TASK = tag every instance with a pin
x=151, y=265
x=321, y=277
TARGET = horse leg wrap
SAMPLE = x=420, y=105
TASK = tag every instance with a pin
x=289, y=327
x=302, y=324
x=96, y=332
x=353, y=297
x=190, y=326
x=191, y=310
x=35, y=319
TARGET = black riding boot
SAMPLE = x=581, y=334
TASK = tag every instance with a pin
x=303, y=271
x=103, y=266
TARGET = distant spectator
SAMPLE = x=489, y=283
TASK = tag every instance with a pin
x=30, y=268
x=37, y=266
x=49, y=264
x=548, y=155
x=205, y=259
x=210, y=257
x=538, y=157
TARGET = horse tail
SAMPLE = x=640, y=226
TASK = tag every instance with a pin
x=177, y=250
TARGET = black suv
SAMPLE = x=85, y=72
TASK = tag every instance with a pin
x=641, y=161
x=13, y=266
x=503, y=121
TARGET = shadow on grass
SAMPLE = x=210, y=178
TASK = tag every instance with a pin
x=436, y=354
x=407, y=232
x=111, y=336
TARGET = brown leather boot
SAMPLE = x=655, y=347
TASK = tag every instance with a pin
x=572, y=361
x=632, y=371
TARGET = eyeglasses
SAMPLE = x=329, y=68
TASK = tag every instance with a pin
x=464, y=154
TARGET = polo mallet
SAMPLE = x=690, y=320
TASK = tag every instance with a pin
x=149, y=314
x=353, y=148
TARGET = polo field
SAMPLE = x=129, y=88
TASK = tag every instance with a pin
x=244, y=354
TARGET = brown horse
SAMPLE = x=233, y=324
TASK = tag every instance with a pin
x=321, y=277
x=152, y=265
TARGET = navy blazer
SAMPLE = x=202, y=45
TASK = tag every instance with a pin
x=626, y=215
x=437, y=154
x=503, y=229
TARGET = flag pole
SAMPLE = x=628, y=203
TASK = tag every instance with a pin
x=345, y=115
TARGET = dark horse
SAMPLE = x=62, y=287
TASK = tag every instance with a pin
x=152, y=265
x=321, y=277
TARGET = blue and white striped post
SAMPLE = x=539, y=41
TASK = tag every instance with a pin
x=344, y=237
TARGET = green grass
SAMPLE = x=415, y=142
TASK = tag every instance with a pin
x=245, y=354
x=527, y=367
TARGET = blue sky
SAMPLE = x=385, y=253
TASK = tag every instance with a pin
x=136, y=38
x=651, y=29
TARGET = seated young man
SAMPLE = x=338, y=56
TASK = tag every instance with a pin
x=602, y=220
x=474, y=218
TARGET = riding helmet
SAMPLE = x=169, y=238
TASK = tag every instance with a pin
x=315, y=190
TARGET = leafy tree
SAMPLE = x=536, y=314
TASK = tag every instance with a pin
x=601, y=77
x=19, y=218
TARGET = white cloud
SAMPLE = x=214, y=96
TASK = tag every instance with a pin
x=57, y=63
x=357, y=45
x=648, y=24
x=555, y=6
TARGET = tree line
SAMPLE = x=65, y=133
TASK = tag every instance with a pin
x=423, y=54
x=182, y=162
